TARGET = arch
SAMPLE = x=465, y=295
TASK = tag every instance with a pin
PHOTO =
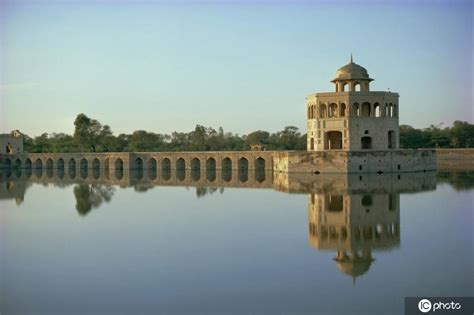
x=309, y=112
x=243, y=164
x=195, y=164
x=365, y=109
x=311, y=144
x=95, y=164
x=391, y=139
x=356, y=87
x=28, y=164
x=377, y=110
x=165, y=164
x=138, y=164
x=322, y=111
x=211, y=164
x=49, y=164
x=195, y=175
x=332, y=110
x=180, y=164
x=243, y=174
x=333, y=140
x=49, y=172
x=60, y=164
x=394, y=110
x=96, y=168
x=342, y=111
x=118, y=164
x=343, y=87
x=227, y=164
x=72, y=164
x=17, y=164
x=8, y=163
x=166, y=174
x=151, y=165
x=83, y=164
x=366, y=143
x=38, y=163
x=356, y=110
x=260, y=164
x=211, y=174
x=152, y=168
x=118, y=168
x=227, y=175
x=180, y=174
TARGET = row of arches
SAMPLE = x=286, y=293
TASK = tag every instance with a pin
x=352, y=86
x=365, y=109
x=378, y=231
x=211, y=175
x=195, y=163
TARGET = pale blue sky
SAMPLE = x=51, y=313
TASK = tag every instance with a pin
x=164, y=66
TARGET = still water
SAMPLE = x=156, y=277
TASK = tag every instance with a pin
x=232, y=243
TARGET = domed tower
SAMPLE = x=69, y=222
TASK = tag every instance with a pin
x=352, y=117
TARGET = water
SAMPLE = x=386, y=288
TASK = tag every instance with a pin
x=266, y=244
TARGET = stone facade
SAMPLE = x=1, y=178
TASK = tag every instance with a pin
x=11, y=143
x=352, y=117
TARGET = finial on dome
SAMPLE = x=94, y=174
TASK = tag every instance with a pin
x=351, y=58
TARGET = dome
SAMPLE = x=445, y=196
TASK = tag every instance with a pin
x=352, y=71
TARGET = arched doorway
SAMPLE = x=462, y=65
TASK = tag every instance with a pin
x=333, y=140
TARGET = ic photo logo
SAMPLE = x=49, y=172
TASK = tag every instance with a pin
x=424, y=305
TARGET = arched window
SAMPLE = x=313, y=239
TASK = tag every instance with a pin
x=365, y=110
x=211, y=164
x=332, y=110
x=357, y=86
x=322, y=111
x=343, y=110
x=377, y=111
x=356, y=110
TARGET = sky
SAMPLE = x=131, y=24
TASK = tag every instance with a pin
x=243, y=65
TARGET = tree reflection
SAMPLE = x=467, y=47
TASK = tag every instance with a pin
x=91, y=196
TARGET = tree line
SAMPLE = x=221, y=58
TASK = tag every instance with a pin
x=459, y=135
x=91, y=136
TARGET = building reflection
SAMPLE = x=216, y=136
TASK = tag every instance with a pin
x=354, y=223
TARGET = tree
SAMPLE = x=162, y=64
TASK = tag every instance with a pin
x=87, y=132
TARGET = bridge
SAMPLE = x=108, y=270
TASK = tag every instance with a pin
x=236, y=166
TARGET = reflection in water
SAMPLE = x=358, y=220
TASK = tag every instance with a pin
x=91, y=196
x=351, y=215
x=458, y=180
x=353, y=223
